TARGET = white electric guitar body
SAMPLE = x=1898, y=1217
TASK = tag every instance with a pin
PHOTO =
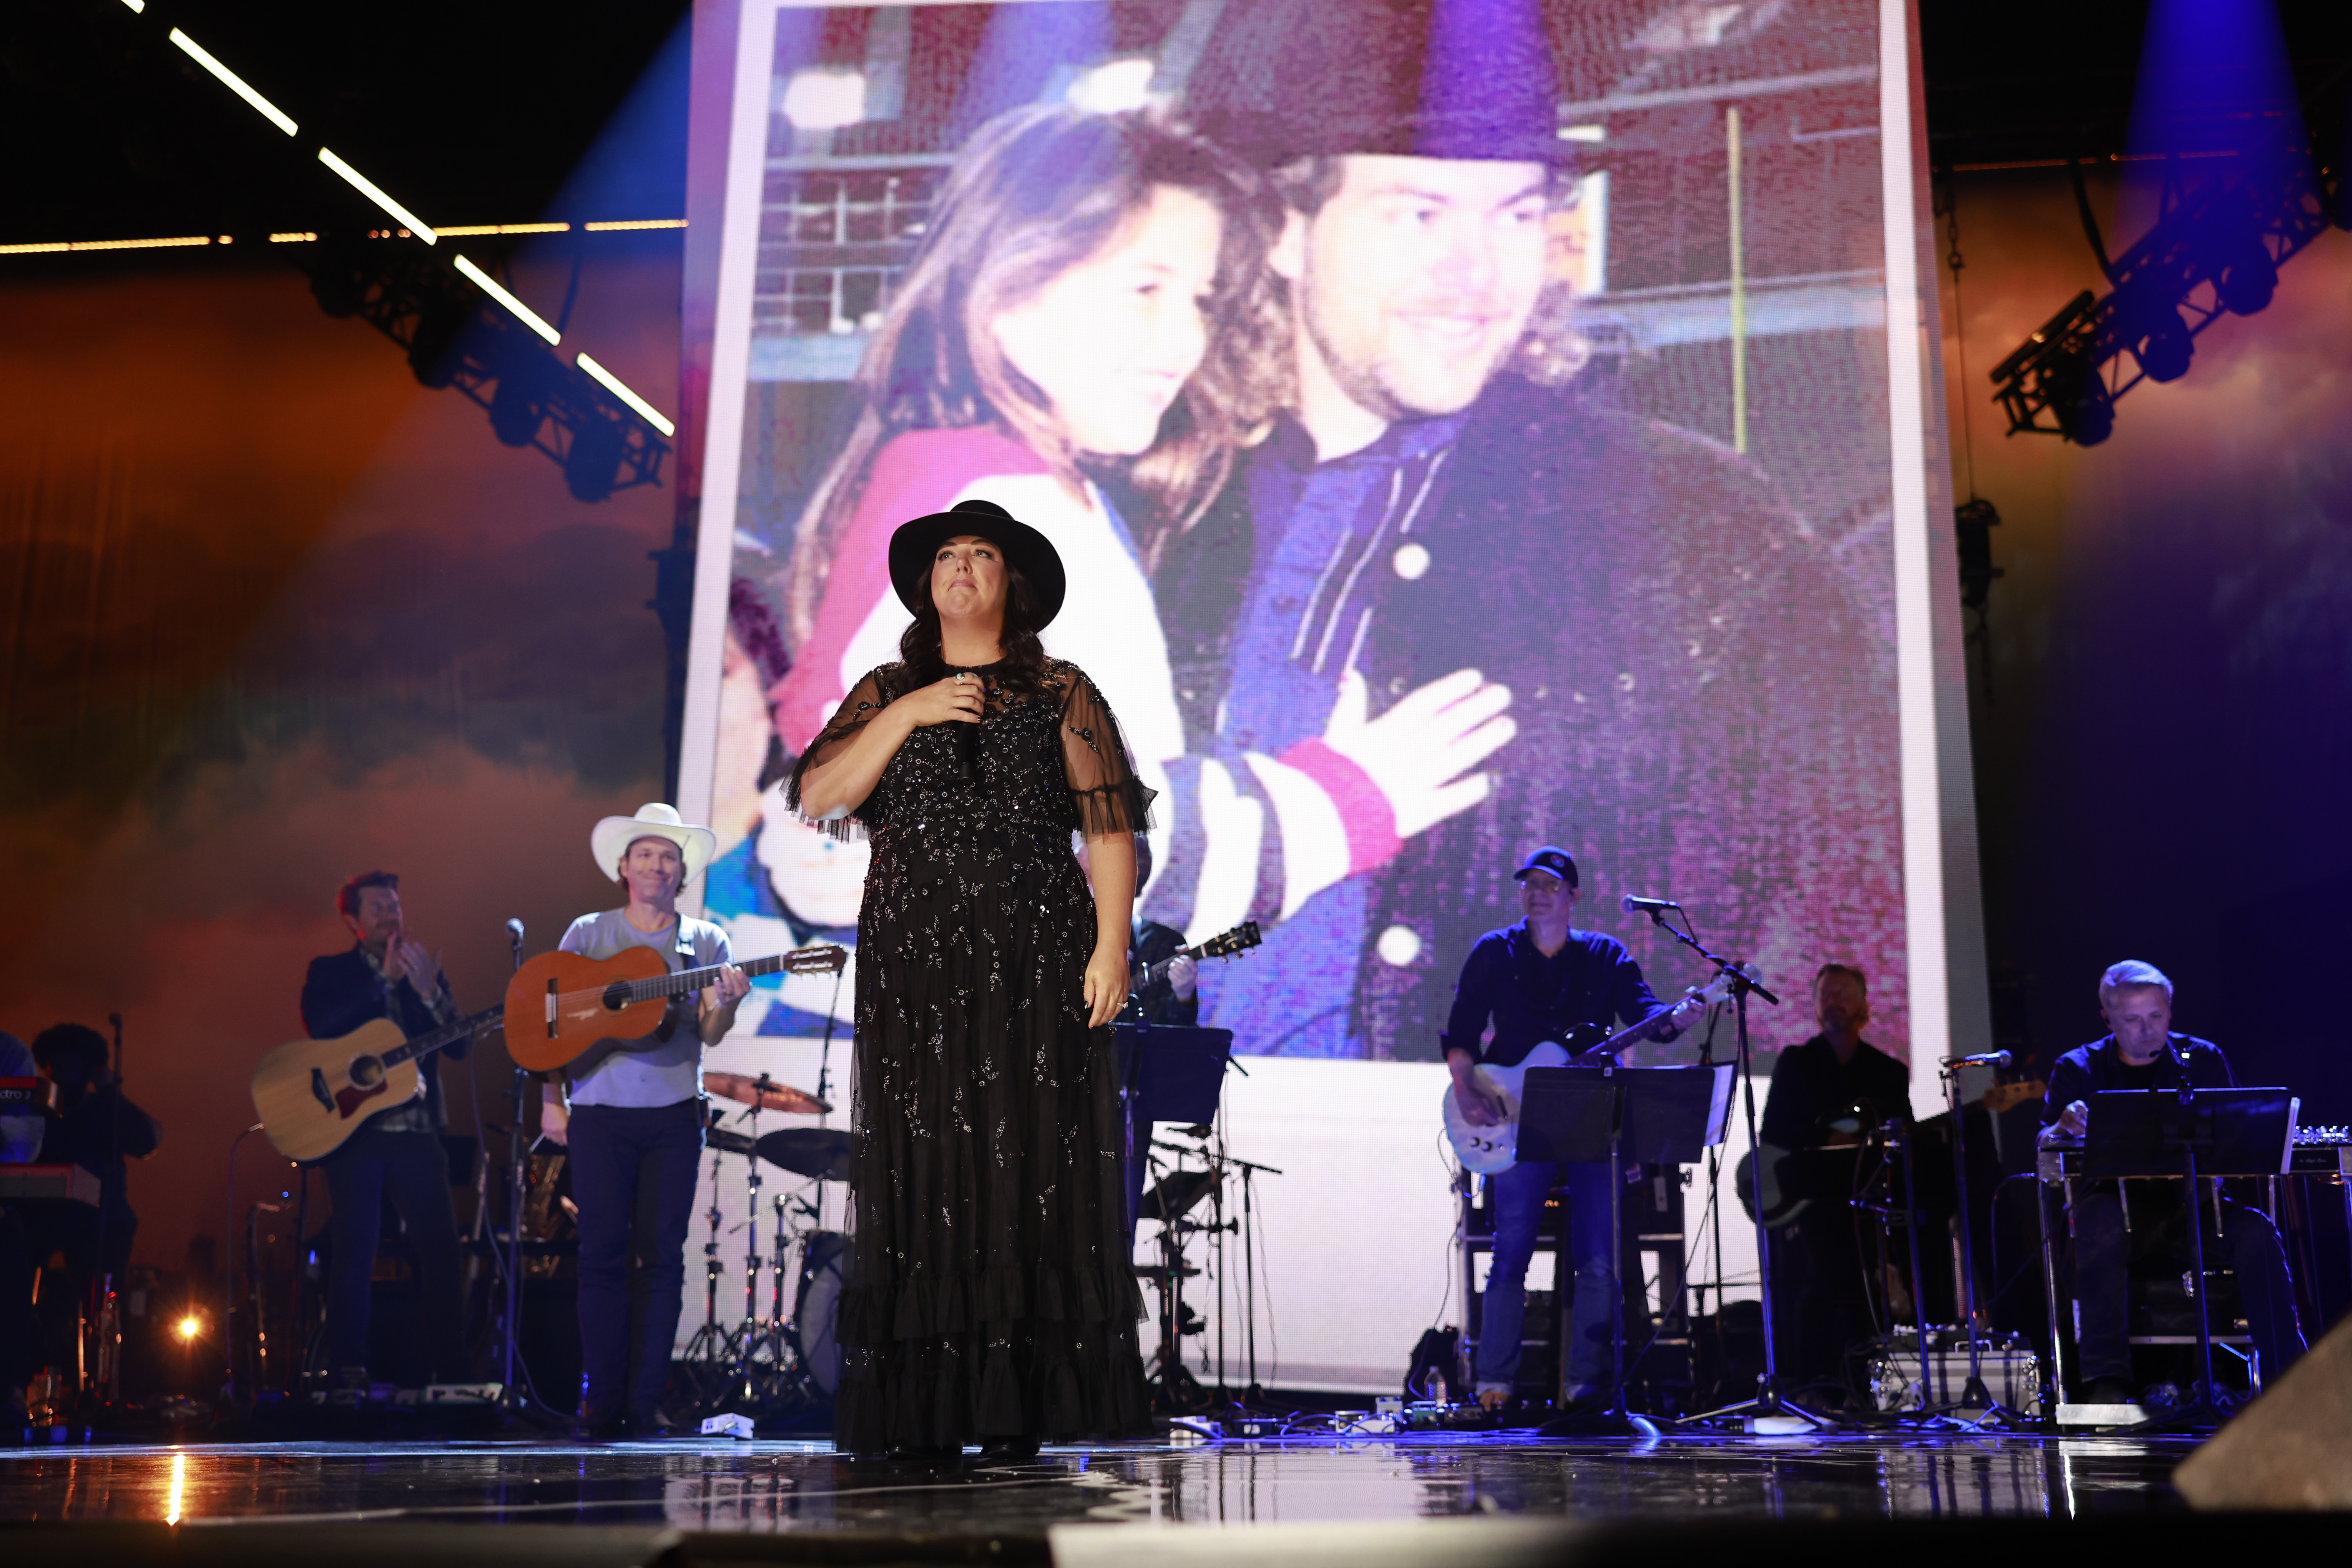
x=1487, y=1149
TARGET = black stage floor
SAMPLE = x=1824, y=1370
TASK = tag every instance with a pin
x=1363, y=1500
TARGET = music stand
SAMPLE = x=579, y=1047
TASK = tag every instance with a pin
x=1168, y=1072
x=2192, y=1132
x=1653, y=1116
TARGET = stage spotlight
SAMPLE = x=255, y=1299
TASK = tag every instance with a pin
x=2165, y=351
x=593, y=463
x=432, y=348
x=2247, y=278
x=2079, y=399
x=235, y=83
x=190, y=1326
x=376, y=194
x=516, y=408
x=824, y=99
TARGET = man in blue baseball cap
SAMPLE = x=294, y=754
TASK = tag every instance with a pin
x=1535, y=981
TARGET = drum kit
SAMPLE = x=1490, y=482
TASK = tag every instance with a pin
x=776, y=1366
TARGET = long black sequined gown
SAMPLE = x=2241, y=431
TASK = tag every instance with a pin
x=988, y=1293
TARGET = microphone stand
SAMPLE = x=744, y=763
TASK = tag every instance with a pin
x=513, y=1402
x=1768, y=1402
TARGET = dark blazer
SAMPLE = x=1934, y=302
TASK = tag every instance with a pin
x=1704, y=691
x=343, y=991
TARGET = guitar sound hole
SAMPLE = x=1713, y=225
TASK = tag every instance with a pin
x=616, y=996
x=367, y=1071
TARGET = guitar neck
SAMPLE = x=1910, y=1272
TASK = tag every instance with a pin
x=686, y=980
x=423, y=1045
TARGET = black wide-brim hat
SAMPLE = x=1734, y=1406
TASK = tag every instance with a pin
x=916, y=541
x=1455, y=80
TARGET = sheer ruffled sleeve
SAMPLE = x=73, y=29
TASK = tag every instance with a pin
x=858, y=710
x=1104, y=789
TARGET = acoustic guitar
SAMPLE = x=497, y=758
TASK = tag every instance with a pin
x=312, y=1095
x=1224, y=944
x=562, y=1005
x=1487, y=1149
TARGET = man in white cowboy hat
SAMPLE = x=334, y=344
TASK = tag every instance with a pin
x=635, y=1122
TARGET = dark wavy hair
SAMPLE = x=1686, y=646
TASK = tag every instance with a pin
x=1034, y=193
x=1024, y=666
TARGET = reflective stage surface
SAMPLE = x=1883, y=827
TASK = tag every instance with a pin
x=767, y=1487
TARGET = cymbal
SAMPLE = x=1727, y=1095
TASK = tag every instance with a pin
x=763, y=1092
x=819, y=1152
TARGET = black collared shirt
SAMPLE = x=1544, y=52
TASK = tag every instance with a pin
x=1533, y=998
x=2090, y=1069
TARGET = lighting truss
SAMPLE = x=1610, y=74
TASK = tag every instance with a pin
x=2214, y=251
x=534, y=398
x=459, y=326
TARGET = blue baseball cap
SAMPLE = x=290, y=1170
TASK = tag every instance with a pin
x=1551, y=858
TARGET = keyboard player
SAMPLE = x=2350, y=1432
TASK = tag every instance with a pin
x=2112, y=1229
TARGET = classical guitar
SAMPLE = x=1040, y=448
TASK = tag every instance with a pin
x=561, y=1005
x=1487, y=1149
x=312, y=1095
x=1224, y=944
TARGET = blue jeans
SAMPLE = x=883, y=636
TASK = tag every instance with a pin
x=633, y=1177
x=414, y=1169
x=1516, y=1197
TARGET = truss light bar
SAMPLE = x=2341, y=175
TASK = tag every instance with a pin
x=524, y=313
x=475, y=228
x=614, y=385
x=231, y=80
x=137, y=6
x=635, y=223
x=293, y=236
x=376, y=193
x=51, y=247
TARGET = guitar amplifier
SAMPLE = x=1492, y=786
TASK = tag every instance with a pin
x=56, y=1183
x=28, y=1097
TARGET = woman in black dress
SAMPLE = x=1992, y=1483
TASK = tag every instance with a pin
x=990, y=1297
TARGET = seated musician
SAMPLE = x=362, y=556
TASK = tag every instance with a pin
x=388, y=973
x=2114, y=1226
x=1173, y=995
x=1539, y=980
x=635, y=1123
x=1827, y=1093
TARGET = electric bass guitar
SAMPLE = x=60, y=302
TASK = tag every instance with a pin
x=312, y=1095
x=1487, y=1149
x=561, y=1005
x=1224, y=944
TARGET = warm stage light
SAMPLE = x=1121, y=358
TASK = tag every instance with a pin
x=524, y=313
x=612, y=384
x=231, y=80
x=374, y=193
x=137, y=6
x=189, y=1327
x=607, y=226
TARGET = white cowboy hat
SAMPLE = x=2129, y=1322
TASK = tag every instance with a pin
x=655, y=819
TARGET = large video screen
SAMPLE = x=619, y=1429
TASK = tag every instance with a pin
x=1467, y=427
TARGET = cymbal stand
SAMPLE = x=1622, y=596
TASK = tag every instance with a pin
x=707, y=1351
x=748, y=1338
x=1768, y=1402
x=1252, y=1392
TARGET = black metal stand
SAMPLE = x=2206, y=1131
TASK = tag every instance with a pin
x=1974, y=1395
x=1911, y=1222
x=1768, y=1401
x=516, y=1401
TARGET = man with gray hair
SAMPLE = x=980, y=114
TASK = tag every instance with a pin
x=2141, y=1052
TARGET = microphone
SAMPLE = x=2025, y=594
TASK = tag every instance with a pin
x=514, y=934
x=1981, y=1059
x=1638, y=905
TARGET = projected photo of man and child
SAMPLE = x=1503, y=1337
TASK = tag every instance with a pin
x=1385, y=587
